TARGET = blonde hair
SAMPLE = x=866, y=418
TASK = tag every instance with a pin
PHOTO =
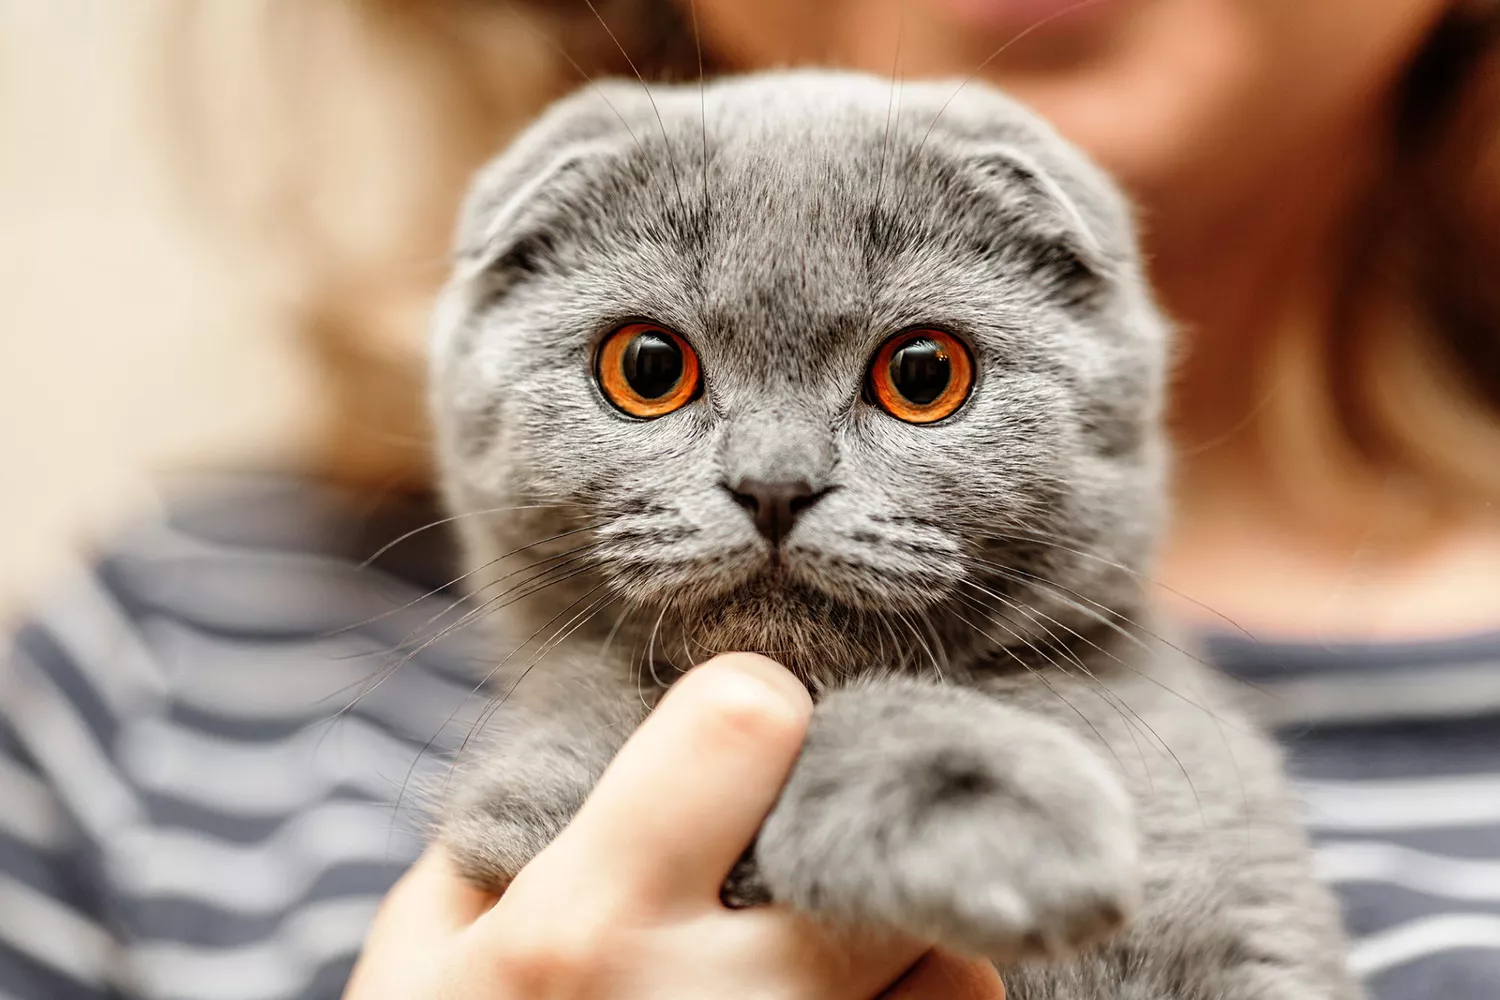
x=374, y=113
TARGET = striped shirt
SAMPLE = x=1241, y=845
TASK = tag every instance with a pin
x=209, y=770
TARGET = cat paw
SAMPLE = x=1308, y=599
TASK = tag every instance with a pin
x=982, y=849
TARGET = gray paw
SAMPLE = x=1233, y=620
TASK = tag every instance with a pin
x=990, y=868
x=1005, y=842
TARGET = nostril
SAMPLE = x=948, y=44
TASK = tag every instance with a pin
x=798, y=504
x=745, y=500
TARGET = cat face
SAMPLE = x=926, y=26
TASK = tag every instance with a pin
x=865, y=375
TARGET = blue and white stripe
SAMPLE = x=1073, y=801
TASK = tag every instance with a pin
x=1397, y=752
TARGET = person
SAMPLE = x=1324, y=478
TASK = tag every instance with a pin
x=1317, y=189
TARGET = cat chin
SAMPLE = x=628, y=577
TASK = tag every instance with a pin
x=818, y=635
x=808, y=584
x=818, y=653
x=792, y=593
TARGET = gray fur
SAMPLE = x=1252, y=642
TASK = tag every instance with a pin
x=1006, y=756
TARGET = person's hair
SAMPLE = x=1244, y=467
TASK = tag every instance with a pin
x=341, y=134
x=1415, y=366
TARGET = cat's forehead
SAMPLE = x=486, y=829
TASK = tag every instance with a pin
x=784, y=142
x=791, y=185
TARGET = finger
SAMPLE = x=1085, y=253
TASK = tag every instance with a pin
x=686, y=794
x=941, y=975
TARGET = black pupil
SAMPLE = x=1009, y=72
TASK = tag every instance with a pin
x=920, y=371
x=652, y=364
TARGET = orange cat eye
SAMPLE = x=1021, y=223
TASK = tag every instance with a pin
x=921, y=376
x=646, y=370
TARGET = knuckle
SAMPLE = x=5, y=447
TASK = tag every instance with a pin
x=551, y=960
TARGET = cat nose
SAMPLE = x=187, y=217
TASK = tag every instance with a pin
x=775, y=507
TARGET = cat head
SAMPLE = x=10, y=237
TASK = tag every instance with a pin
x=803, y=364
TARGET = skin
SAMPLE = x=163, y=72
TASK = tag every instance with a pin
x=1221, y=116
x=625, y=903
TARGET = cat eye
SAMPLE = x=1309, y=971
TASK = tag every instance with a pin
x=647, y=370
x=921, y=376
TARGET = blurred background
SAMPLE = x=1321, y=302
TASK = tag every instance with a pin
x=127, y=346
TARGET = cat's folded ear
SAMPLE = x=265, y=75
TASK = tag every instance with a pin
x=510, y=216
x=506, y=227
x=1024, y=181
x=1075, y=240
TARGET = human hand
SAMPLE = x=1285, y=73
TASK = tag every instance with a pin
x=625, y=902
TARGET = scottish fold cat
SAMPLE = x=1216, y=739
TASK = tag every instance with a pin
x=783, y=364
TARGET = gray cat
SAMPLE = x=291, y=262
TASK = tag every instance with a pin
x=782, y=365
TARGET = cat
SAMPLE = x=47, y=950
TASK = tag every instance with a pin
x=870, y=381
